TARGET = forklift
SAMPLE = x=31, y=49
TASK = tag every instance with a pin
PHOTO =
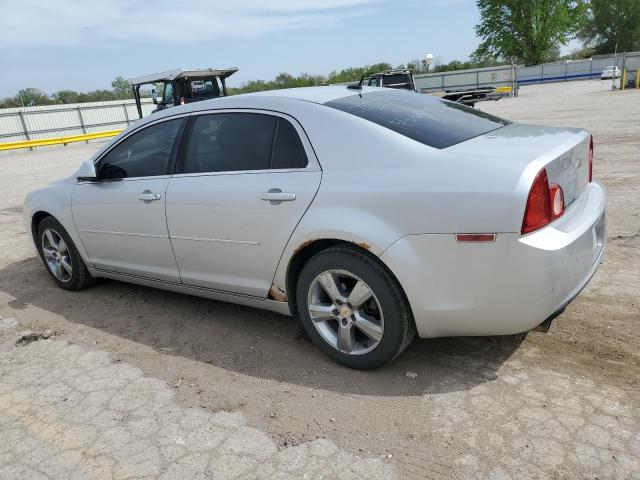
x=180, y=86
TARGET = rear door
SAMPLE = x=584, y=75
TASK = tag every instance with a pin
x=246, y=179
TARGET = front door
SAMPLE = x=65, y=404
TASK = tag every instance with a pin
x=121, y=219
x=246, y=181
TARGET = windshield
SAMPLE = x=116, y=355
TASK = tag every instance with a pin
x=426, y=119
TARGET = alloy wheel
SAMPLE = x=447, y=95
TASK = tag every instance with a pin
x=57, y=255
x=345, y=312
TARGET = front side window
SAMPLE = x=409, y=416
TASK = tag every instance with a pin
x=226, y=142
x=146, y=153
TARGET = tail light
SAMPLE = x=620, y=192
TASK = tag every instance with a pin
x=545, y=203
x=590, y=159
x=556, y=196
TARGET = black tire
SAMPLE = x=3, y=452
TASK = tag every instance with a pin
x=399, y=327
x=80, y=277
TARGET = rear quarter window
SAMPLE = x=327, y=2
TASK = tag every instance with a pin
x=429, y=120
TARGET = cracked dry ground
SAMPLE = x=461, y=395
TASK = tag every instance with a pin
x=560, y=405
x=70, y=413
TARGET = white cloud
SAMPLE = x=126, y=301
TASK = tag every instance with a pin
x=74, y=22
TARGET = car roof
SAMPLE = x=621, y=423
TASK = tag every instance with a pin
x=316, y=94
x=273, y=99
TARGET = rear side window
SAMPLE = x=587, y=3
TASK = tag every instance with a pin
x=230, y=142
x=288, y=151
x=429, y=120
x=225, y=142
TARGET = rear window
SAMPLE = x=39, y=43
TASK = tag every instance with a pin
x=424, y=118
x=204, y=88
x=395, y=79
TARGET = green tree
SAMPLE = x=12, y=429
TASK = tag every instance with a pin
x=610, y=22
x=579, y=54
x=66, y=96
x=529, y=30
x=29, y=97
x=355, y=73
x=122, y=88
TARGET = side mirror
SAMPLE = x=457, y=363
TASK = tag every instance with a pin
x=87, y=172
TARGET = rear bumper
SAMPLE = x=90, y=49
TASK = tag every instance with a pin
x=505, y=287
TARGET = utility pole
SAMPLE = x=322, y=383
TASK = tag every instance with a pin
x=615, y=67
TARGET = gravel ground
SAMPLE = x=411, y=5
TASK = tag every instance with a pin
x=559, y=405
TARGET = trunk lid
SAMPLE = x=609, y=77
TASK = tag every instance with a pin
x=564, y=152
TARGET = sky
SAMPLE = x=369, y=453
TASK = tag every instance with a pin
x=84, y=44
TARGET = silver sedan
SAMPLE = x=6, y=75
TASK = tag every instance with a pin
x=373, y=215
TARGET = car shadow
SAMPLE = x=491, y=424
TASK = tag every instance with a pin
x=251, y=341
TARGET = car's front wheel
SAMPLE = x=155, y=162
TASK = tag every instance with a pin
x=353, y=308
x=61, y=257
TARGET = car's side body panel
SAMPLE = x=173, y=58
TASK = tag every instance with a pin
x=55, y=200
x=225, y=236
x=500, y=288
x=123, y=233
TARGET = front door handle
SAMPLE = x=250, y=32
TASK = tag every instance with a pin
x=148, y=196
x=275, y=196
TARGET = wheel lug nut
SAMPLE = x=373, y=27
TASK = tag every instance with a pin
x=335, y=312
x=345, y=322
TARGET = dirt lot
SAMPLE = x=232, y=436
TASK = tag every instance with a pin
x=558, y=405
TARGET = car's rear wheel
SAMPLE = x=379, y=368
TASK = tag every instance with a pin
x=353, y=308
x=61, y=257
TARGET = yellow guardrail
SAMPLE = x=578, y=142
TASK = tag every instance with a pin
x=504, y=89
x=42, y=142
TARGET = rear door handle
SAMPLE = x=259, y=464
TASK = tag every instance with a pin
x=148, y=196
x=275, y=196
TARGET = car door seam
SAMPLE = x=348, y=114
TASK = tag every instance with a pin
x=166, y=221
x=293, y=231
x=75, y=224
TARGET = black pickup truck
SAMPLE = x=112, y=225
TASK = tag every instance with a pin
x=403, y=79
